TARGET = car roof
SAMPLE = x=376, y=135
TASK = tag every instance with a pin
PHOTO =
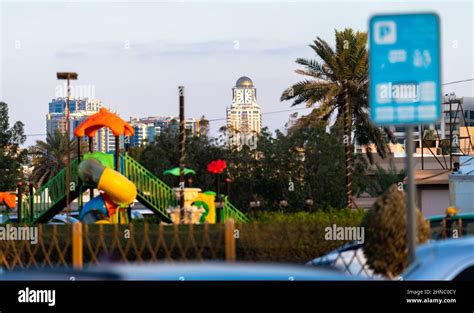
x=223, y=271
x=442, y=259
x=189, y=271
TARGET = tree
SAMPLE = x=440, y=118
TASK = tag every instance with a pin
x=50, y=156
x=385, y=178
x=338, y=84
x=306, y=162
x=12, y=156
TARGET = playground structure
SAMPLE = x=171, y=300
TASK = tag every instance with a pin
x=9, y=199
x=120, y=180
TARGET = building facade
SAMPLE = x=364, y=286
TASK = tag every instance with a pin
x=147, y=129
x=79, y=110
x=244, y=116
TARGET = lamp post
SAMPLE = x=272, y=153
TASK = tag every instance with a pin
x=228, y=181
x=309, y=203
x=283, y=204
x=182, y=151
x=67, y=76
x=254, y=202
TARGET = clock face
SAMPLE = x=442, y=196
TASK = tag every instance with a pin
x=239, y=96
x=248, y=95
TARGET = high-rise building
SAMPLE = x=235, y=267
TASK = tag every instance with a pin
x=244, y=115
x=146, y=129
x=79, y=110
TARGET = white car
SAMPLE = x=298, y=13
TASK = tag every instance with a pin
x=348, y=258
x=451, y=259
x=62, y=219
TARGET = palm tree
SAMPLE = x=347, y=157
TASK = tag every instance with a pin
x=49, y=157
x=337, y=88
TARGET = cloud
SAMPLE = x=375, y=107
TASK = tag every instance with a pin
x=161, y=48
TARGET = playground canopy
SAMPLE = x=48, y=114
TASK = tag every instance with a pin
x=8, y=198
x=175, y=171
x=103, y=118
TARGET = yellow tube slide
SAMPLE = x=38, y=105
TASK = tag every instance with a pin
x=120, y=190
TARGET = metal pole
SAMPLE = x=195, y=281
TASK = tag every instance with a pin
x=91, y=148
x=19, y=200
x=182, y=142
x=117, y=153
x=422, y=135
x=31, y=195
x=79, y=182
x=450, y=135
x=411, y=213
x=68, y=153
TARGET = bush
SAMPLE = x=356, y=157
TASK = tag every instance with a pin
x=297, y=237
x=386, y=245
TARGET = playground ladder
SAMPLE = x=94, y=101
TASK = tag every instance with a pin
x=152, y=192
x=51, y=198
x=230, y=211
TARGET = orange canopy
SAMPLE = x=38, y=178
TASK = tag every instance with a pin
x=103, y=118
x=9, y=199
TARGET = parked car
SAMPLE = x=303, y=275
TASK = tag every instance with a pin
x=450, y=259
x=349, y=258
x=207, y=271
x=62, y=219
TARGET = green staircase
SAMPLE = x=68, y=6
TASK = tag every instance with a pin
x=230, y=211
x=51, y=198
x=152, y=192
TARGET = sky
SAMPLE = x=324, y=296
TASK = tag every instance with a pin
x=134, y=55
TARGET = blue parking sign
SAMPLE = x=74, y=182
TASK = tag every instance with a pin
x=404, y=69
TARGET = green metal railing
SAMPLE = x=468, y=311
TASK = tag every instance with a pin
x=49, y=194
x=230, y=211
x=150, y=188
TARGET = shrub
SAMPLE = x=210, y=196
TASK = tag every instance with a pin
x=386, y=245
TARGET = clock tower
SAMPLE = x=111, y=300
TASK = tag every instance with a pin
x=244, y=114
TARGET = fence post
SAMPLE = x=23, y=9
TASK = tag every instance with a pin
x=77, y=257
x=229, y=241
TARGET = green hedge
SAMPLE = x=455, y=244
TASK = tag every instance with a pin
x=295, y=238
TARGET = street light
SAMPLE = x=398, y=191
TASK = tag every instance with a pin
x=283, y=204
x=67, y=76
x=309, y=203
x=254, y=202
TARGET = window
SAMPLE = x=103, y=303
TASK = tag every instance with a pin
x=471, y=115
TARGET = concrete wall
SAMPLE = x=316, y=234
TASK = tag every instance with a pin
x=461, y=192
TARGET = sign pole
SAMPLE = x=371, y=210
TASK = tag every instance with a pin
x=411, y=211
